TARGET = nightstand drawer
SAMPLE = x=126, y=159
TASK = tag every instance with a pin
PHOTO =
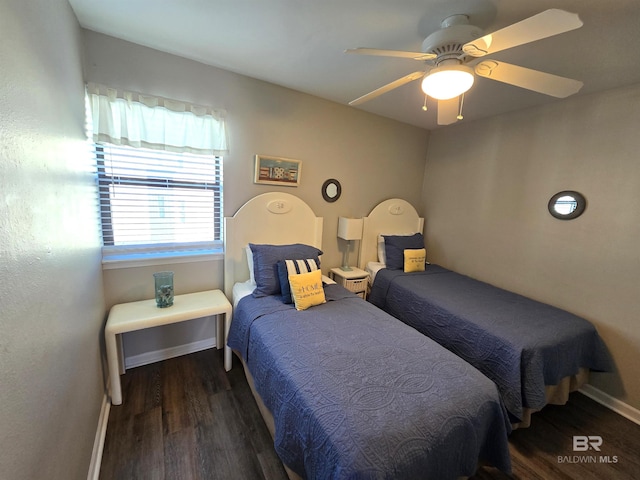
x=356, y=286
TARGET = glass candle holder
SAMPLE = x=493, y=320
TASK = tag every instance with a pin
x=164, y=289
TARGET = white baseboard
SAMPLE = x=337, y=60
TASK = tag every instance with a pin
x=611, y=403
x=98, y=443
x=159, y=355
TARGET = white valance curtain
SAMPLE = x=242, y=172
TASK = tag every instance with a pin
x=128, y=118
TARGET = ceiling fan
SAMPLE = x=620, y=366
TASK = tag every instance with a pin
x=451, y=54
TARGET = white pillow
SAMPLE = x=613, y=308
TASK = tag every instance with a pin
x=252, y=277
x=382, y=254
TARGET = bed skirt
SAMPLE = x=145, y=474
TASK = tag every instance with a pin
x=556, y=395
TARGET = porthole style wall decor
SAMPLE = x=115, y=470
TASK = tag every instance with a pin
x=331, y=190
x=567, y=205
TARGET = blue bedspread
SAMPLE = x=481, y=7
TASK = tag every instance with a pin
x=357, y=394
x=519, y=343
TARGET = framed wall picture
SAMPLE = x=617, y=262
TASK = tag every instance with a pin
x=277, y=171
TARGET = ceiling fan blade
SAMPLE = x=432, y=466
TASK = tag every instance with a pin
x=391, y=53
x=535, y=80
x=387, y=88
x=546, y=24
x=448, y=111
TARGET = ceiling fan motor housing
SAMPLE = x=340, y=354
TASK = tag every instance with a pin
x=447, y=43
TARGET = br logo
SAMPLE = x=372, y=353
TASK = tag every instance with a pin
x=582, y=443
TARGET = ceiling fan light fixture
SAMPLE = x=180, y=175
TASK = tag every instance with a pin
x=444, y=83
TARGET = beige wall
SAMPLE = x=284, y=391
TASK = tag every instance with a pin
x=374, y=158
x=486, y=189
x=52, y=309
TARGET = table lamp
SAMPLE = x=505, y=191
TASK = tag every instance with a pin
x=349, y=229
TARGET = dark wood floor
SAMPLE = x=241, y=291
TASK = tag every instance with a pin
x=185, y=418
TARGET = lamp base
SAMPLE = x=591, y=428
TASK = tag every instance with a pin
x=345, y=258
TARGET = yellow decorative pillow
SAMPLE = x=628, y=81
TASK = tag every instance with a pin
x=414, y=260
x=306, y=289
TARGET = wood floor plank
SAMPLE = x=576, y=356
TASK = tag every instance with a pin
x=149, y=440
x=137, y=448
x=186, y=418
x=177, y=465
x=143, y=389
x=116, y=455
x=175, y=415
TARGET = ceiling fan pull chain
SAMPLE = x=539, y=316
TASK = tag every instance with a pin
x=460, y=117
x=424, y=106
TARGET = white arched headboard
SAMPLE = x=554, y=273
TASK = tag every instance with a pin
x=273, y=218
x=393, y=216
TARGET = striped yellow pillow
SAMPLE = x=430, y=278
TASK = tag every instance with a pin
x=307, y=290
x=414, y=260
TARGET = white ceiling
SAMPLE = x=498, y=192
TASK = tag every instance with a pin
x=299, y=44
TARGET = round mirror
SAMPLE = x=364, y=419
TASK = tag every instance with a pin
x=331, y=190
x=567, y=204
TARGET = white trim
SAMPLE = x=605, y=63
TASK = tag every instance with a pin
x=167, y=353
x=109, y=251
x=145, y=260
x=612, y=403
x=98, y=443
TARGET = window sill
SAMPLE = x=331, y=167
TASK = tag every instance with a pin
x=131, y=260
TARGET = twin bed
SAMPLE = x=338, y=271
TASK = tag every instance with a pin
x=349, y=391
x=535, y=353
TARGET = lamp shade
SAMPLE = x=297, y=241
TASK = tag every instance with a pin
x=350, y=228
x=443, y=83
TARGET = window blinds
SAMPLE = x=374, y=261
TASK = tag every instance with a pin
x=150, y=197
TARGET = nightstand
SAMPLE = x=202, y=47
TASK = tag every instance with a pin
x=355, y=281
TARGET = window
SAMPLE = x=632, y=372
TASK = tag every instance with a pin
x=159, y=173
x=158, y=198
